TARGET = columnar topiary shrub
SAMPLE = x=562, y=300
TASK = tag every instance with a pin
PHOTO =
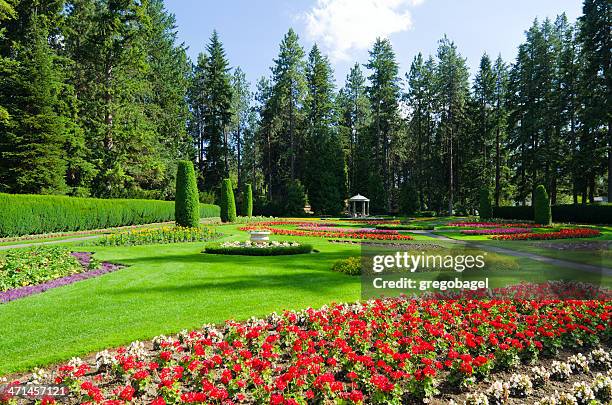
x=187, y=203
x=541, y=206
x=228, y=203
x=247, y=200
x=485, y=210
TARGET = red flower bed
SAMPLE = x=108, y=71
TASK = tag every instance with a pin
x=326, y=234
x=393, y=350
x=490, y=224
x=495, y=231
x=561, y=234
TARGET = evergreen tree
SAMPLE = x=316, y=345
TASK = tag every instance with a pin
x=453, y=95
x=426, y=164
x=285, y=117
x=247, y=200
x=215, y=96
x=383, y=93
x=169, y=78
x=500, y=91
x=484, y=95
x=31, y=148
x=596, y=91
x=541, y=206
x=326, y=180
x=228, y=203
x=354, y=120
x=187, y=204
x=241, y=109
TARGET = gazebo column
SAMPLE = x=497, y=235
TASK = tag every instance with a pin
x=364, y=209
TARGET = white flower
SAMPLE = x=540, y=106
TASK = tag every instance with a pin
x=476, y=399
x=105, y=360
x=583, y=393
x=602, y=388
x=599, y=358
x=76, y=362
x=498, y=392
x=520, y=385
x=560, y=370
x=579, y=363
x=540, y=376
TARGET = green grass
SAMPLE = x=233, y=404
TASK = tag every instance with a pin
x=167, y=288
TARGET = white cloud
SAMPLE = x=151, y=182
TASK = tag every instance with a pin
x=342, y=26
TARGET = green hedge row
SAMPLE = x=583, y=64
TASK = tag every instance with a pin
x=217, y=249
x=23, y=214
x=585, y=214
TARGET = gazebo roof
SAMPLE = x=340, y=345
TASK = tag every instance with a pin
x=358, y=197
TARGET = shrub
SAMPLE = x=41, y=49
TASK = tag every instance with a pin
x=350, y=266
x=425, y=214
x=219, y=249
x=23, y=214
x=149, y=236
x=247, y=201
x=23, y=267
x=228, y=203
x=485, y=210
x=541, y=207
x=186, y=209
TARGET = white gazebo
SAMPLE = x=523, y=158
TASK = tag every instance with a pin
x=354, y=205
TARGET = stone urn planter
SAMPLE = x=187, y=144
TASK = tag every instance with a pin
x=259, y=236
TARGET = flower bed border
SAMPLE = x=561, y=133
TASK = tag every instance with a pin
x=83, y=257
x=217, y=249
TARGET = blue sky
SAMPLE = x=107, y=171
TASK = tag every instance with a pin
x=251, y=30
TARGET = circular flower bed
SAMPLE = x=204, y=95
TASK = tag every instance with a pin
x=357, y=234
x=263, y=248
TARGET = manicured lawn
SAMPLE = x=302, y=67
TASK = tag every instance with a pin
x=167, y=288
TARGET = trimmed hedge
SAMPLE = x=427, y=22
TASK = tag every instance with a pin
x=228, y=203
x=187, y=203
x=247, y=201
x=485, y=210
x=585, y=214
x=26, y=214
x=541, y=207
x=217, y=249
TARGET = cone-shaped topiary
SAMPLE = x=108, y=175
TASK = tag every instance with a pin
x=187, y=203
x=485, y=210
x=247, y=200
x=541, y=206
x=228, y=203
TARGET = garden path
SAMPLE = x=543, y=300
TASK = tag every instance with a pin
x=50, y=242
x=515, y=253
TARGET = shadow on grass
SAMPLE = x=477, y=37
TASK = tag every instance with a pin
x=249, y=283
